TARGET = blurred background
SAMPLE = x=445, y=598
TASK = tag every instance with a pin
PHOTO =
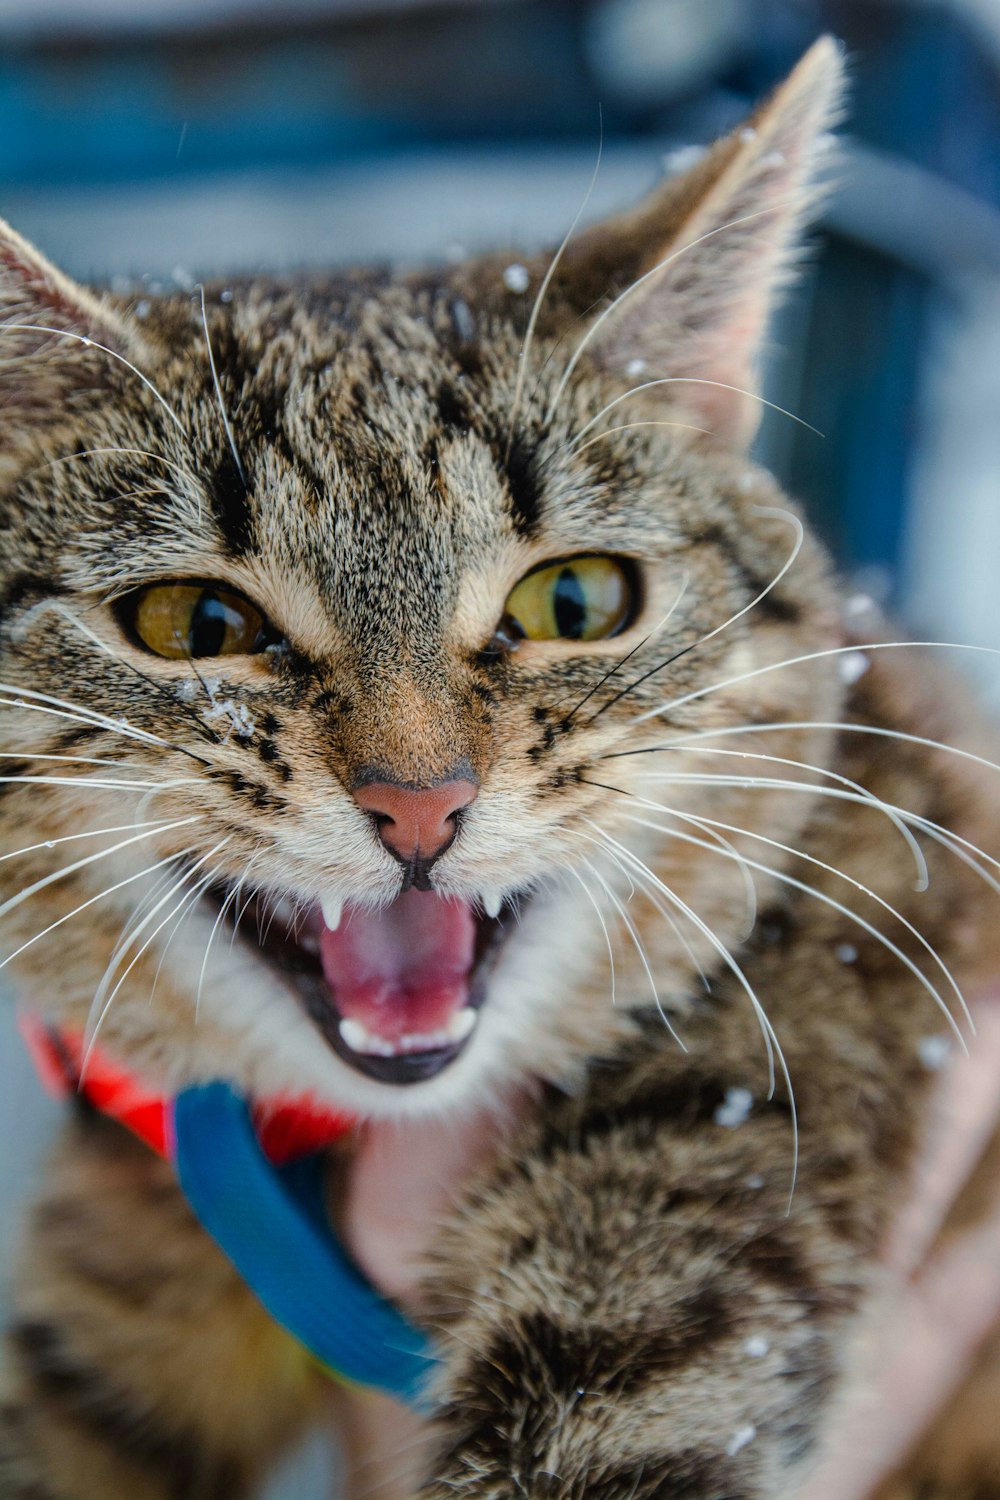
x=166, y=140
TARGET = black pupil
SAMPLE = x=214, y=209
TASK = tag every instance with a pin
x=569, y=605
x=210, y=621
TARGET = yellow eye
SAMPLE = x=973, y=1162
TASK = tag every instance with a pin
x=181, y=620
x=578, y=599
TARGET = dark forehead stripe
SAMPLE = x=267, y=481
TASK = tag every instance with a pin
x=523, y=485
x=231, y=506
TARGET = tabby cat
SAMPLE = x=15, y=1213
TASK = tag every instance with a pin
x=414, y=702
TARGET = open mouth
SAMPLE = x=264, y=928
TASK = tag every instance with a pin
x=395, y=992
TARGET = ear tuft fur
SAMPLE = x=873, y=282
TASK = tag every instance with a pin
x=44, y=319
x=709, y=253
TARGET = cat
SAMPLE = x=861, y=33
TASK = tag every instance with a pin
x=417, y=704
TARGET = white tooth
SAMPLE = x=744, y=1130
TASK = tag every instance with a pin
x=492, y=901
x=332, y=908
x=461, y=1024
x=355, y=1035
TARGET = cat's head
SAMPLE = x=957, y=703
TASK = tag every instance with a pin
x=358, y=633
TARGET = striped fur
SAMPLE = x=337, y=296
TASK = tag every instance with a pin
x=627, y=1300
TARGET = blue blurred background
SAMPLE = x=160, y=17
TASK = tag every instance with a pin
x=175, y=138
x=170, y=139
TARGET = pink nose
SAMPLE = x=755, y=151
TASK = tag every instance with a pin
x=415, y=821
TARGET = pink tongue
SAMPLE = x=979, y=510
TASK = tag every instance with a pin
x=404, y=969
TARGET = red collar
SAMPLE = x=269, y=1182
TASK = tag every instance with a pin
x=286, y=1128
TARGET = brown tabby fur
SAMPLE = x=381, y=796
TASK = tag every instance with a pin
x=594, y=1292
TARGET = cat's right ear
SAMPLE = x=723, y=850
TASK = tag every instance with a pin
x=688, y=279
x=55, y=336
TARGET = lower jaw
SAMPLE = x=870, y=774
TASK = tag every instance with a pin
x=400, y=1069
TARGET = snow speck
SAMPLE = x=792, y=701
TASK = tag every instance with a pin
x=735, y=1108
x=226, y=295
x=746, y=481
x=635, y=367
x=740, y=1438
x=242, y=724
x=755, y=1181
x=846, y=953
x=773, y=159
x=465, y=323
x=187, y=690
x=859, y=604
x=516, y=278
x=683, y=159
x=934, y=1051
x=142, y=307
x=182, y=277
x=756, y=1346
x=748, y=133
x=853, y=665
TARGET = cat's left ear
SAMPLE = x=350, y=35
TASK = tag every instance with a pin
x=708, y=253
x=50, y=330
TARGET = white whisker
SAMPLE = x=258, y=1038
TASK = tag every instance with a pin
x=178, y=885
x=629, y=427
x=793, y=661
x=156, y=458
x=90, y=859
x=61, y=708
x=522, y=363
x=84, y=905
x=218, y=392
x=604, y=926
x=98, y=781
x=630, y=290
x=89, y=343
x=785, y=878
x=231, y=896
x=633, y=934
x=67, y=838
x=771, y=1041
x=762, y=510
x=648, y=385
x=76, y=760
x=649, y=892
x=894, y=814
x=161, y=891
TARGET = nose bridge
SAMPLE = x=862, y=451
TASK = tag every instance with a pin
x=413, y=731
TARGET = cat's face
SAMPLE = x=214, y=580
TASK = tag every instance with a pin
x=334, y=612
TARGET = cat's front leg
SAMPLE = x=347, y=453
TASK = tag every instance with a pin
x=630, y=1311
x=138, y=1366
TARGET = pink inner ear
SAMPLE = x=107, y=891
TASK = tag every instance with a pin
x=34, y=292
x=703, y=318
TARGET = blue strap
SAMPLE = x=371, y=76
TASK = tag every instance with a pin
x=271, y=1224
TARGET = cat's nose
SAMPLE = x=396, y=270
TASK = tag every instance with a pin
x=416, y=823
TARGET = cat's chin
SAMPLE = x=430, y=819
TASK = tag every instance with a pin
x=396, y=992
